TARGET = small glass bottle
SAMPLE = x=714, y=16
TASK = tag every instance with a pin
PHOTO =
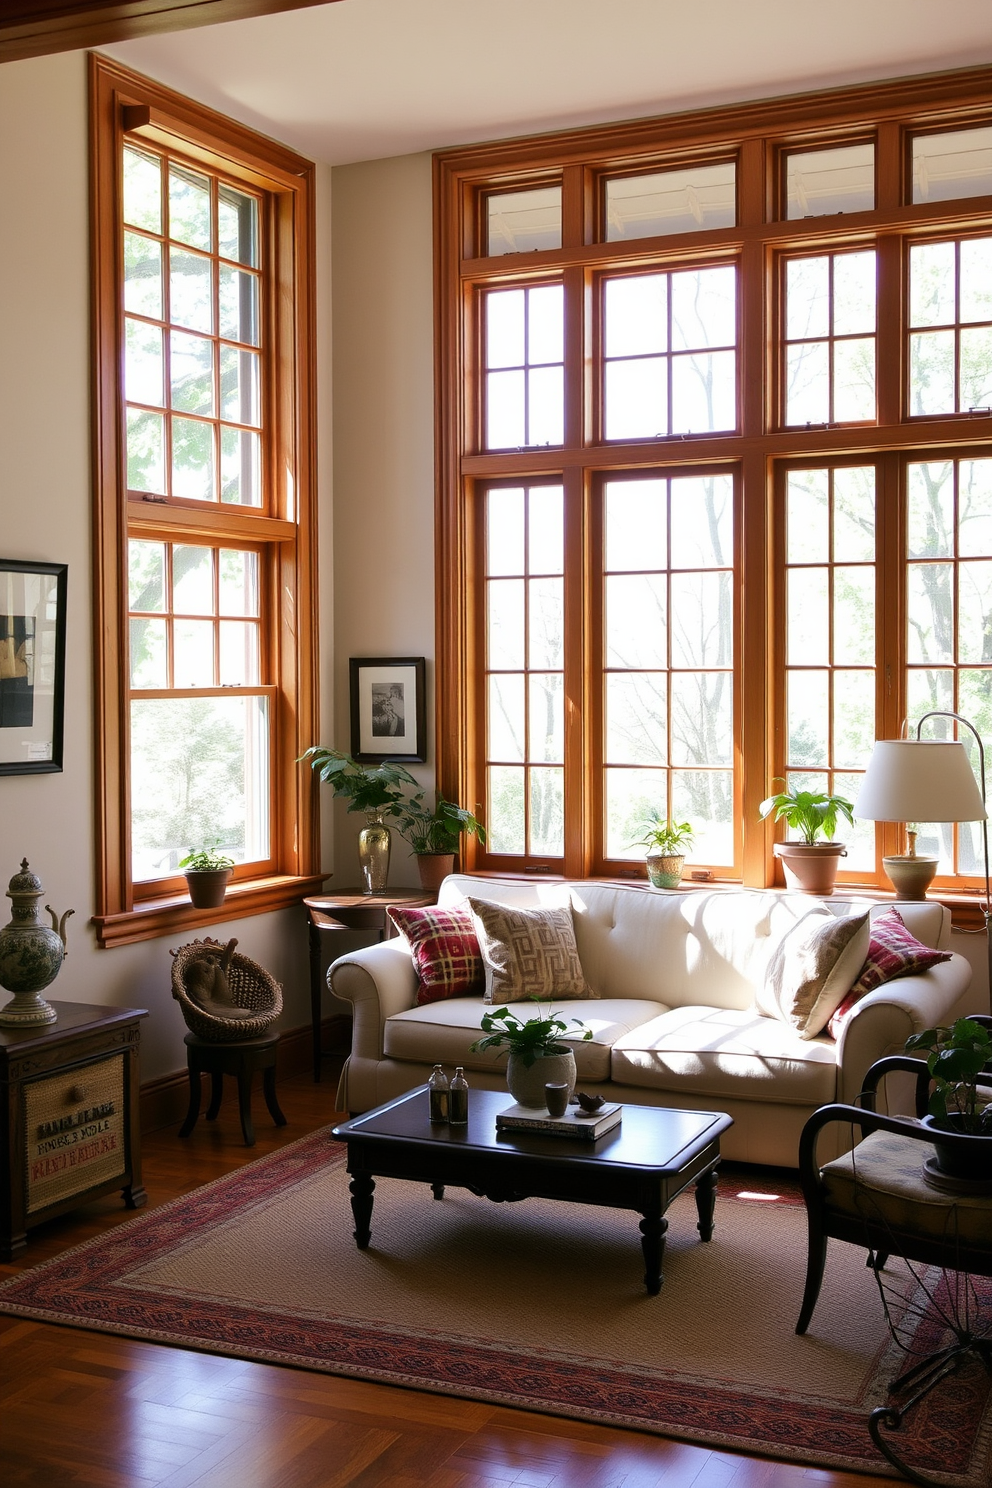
x=437, y=1087
x=458, y=1101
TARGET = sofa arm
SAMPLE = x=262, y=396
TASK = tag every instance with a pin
x=378, y=981
x=881, y=1023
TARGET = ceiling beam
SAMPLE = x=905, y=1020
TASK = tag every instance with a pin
x=29, y=28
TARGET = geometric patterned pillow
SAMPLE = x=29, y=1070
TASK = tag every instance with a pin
x=528, y=953
x=892, y=952
x=445, y=951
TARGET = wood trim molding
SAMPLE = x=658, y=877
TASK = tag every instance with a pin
x=31, y=28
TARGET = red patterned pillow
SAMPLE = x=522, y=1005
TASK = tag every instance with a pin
x=892, y=952
x=445, y=951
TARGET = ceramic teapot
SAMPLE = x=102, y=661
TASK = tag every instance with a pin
x=31, y=954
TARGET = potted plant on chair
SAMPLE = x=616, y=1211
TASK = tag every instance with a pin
x=433, y=835
x=812, y=863
x=667, y=843
x=956, y=1057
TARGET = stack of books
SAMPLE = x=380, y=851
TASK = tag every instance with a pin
x=574, y=1123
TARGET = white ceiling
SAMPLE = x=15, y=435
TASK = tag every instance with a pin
x=362, y=79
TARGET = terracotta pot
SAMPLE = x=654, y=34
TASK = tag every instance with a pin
x=811, y=867
x=207, y=887
x=665, y=870
x=434, y=869
x=526, y=1082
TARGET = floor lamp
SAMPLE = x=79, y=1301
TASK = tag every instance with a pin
x=927, y=780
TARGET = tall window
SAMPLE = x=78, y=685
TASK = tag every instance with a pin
x=761, y=415
x=202, y=235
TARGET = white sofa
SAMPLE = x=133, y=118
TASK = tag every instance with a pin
x=673, y=1024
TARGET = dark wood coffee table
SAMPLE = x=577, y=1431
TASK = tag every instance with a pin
x=641, y=1165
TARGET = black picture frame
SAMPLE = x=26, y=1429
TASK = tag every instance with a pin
x=388, y=705
x=32, y=666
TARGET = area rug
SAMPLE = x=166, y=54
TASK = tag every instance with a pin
x=537, y=1305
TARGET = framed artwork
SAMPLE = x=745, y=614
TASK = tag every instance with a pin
x=388, y=713
x=32, y=666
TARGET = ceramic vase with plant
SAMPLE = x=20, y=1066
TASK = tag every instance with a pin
x=375, y=790
x=810, y=864
x=667, y=843
x=208, y=874
x=957, y=1057
x=433, y=835
x=537, y=1057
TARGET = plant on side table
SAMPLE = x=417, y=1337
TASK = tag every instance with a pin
x=378, y=791
x=667, y=843
x=537, y=1056
x=956, y=1056
x=433, y=835
x=810, y=864
x=208, y=874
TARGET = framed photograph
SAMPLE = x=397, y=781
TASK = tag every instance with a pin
x=388, y=714
x=32, y=666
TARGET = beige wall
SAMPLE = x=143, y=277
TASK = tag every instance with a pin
x=45, y=506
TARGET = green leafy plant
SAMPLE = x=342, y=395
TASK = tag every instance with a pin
x=377, y=789
x=205, y=860
x=436, y=831
x=530, y=1040
x=955, y=1056
x=669, y=839
x=810, y=813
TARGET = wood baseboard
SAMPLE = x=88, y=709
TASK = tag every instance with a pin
x=163, y=1102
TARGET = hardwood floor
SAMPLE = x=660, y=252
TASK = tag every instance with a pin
x=86, y=1410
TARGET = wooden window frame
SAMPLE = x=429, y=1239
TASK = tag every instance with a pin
x=759, y=136
x=284, y=531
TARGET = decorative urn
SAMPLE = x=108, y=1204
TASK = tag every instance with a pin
x=30, y=953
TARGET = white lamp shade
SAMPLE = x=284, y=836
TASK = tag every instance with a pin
x=919, y=780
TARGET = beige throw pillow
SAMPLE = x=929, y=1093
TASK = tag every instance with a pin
x=813, y=969
x=528, y=953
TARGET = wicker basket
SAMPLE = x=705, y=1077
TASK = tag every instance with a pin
x=251, y=987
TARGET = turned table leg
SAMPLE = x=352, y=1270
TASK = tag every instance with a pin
x=362, y=1188
x=653, y=1228
x=706, y=1202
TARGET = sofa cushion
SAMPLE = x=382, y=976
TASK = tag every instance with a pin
x=528, y=953
x=812, y=970
x=445, y=950
x=720, y=1052
x=443, y=1031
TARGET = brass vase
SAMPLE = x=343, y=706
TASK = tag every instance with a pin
x=373, y=853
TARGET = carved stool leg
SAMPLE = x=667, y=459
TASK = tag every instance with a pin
x=244, y=1106
x=269, y=1091
x=216, y=1094
x=194, y=1101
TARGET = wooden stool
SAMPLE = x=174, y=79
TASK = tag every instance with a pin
x=218, y=1060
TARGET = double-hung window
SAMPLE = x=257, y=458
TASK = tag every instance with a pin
x=205, y=654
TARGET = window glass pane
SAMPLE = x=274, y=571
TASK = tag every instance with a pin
x=142, y=276
x=975, y=507
x=854, y=514
x=635, y=621
x=854, y=293
x=974, y=611
x=807, y=382
x=635, y=524
x=505, y=328
x=192, y=580
x=191, y=290
x=142, y=363
x=193, y=474
x=189, y=207
x=545, y=324
x=976, y=278
x=695, y=199
x=931, y=372
x=239, y=385
x=704, y=309
x=507, y=718
x=238, y=653
x=636, y=398
x=956, y=164
x=237, y=225
x=637, y=718
x=146, y=575
x=931, y=510
x=149, y=667
x=506, y=624
x=547, y=718
x=145, y=451
x=240, y=467
x=546, y=629
x=854, y=718
x=808, y=617
x=976, y=367
x=505, y=410
x=704, y=388
x=193, y=653
x=702, y=717
x=505, y=532
x=545, y=405
x=931, y=284
x=702, y=517
x=635, y=312
x=238, y=305
x=632, y=796
x=505, y=822
x=808, y=717
x=238, y=582
x=854, y=616
x=547, y=812
x=545, y=533
x=930, y=601
x=807, y=297
x=819, y=183
x=218, y=747
x=192, y=373
x=854, y=380
x=523, y=221
x=701, y=620
x=706, y=798
x=808, y=516
x=142, y=190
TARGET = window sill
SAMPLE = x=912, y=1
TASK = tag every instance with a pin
x=153, y=918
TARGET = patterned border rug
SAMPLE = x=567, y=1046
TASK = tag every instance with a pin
x=537, y=1305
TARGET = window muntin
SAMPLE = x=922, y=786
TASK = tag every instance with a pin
x=949, y=623
x=950, y=318
x=952, y=165
x=524, y=359
x=668, y=660
x=829, y=341
x=524, y=670
x=670, y=353
x=193, y=353
x=694, y=199
x=829, y=645
x=523, y=221
x=820, y=183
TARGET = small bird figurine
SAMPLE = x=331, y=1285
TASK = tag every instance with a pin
x=589, y=1104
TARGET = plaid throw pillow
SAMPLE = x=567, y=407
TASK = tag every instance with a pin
x=892, y=952
x=445, y=951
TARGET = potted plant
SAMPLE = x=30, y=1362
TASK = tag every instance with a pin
x=208, y=874
x=378, y=791
x=956, y=1056
x=433, y=835
x=810, y=864
x=537, y=1057
x=667, y=843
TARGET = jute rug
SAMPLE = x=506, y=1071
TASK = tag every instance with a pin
x=535, y=1305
